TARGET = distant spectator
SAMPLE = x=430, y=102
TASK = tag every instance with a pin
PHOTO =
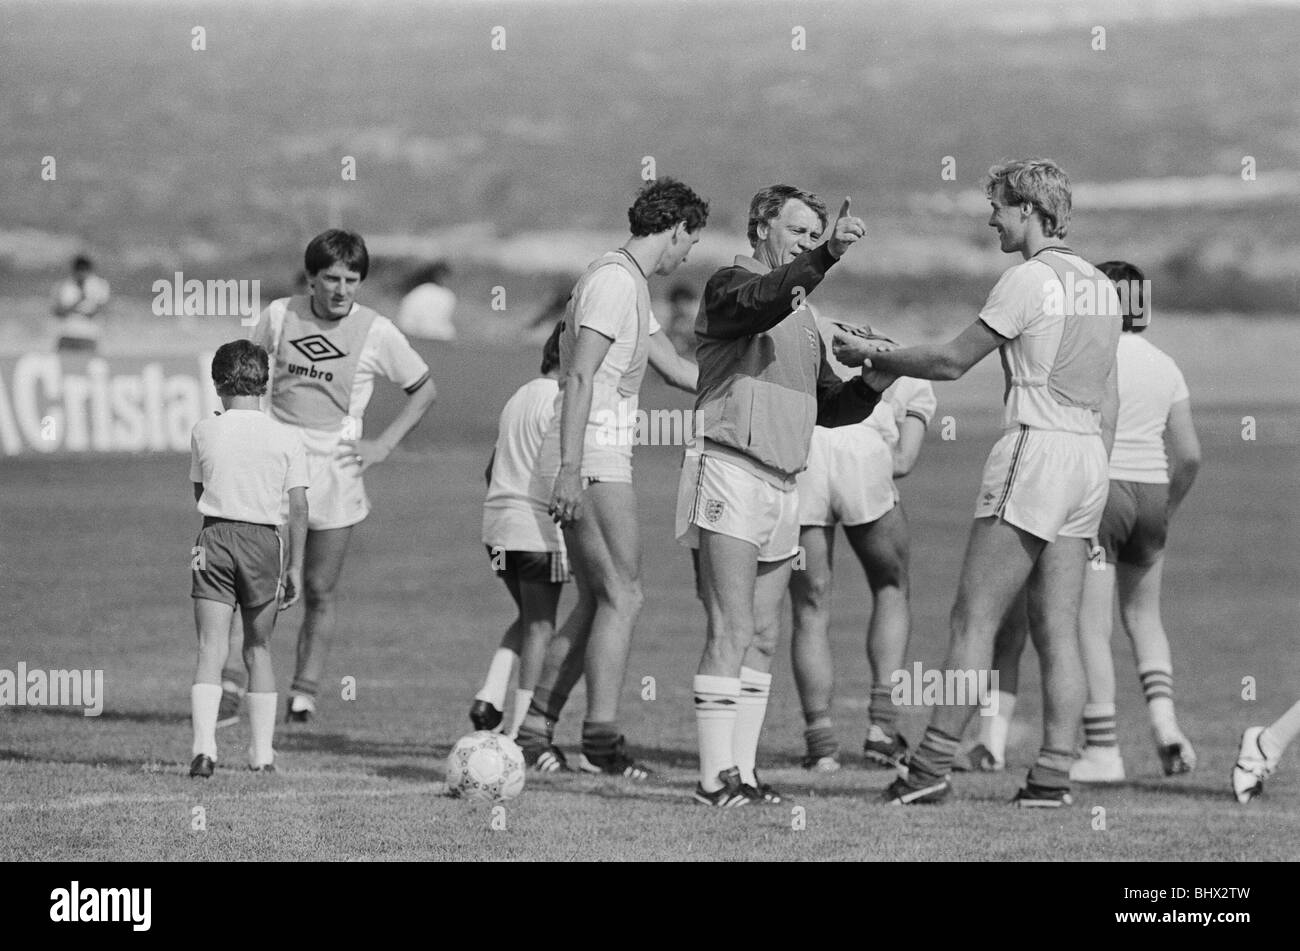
x=683, y=305
x=78, y=300
x=426, y=309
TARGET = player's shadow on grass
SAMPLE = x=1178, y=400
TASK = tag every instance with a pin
x=433, y=773
x=1163, y=786
x=127, y=764
x=343, y=744
x=170, y=717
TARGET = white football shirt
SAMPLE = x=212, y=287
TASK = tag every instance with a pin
x=1017, y=308
x=514, y=512
x=385, y=353
x=1150, y=383
x=246, y=462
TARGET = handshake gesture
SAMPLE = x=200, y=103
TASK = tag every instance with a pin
x=846, y=230
x=854, y=346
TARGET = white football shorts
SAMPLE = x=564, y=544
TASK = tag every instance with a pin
x=1046, y=482
x=849, y=479
x=720, y=496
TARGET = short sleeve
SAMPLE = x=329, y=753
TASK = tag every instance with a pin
x=396, y=359
x=266, y=332
x=608, y=302
x=1180, y=385
x=920, y=401
x=1006, y=311
x=196, y=469
x=296, y=476
x=654, y=324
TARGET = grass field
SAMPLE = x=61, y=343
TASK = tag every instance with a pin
x=95, y=563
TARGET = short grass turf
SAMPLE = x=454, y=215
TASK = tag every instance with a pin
x=95, y=564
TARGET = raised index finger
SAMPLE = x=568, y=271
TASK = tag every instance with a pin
x=844, y=209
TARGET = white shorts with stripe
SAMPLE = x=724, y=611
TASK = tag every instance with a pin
x=720, y=496
x=1046, y=482
x=849, y=479
x=336, y=494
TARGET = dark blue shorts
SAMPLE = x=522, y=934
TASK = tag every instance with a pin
x=237, y=563
x=541, y=567
x=1134, y=524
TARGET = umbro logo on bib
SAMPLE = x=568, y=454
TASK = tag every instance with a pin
x=316, y=348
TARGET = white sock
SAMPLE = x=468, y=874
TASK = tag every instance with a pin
x=522, y=699
x=229, y=686
x=716, y=699
x=755, y=685
x=261, y=721
x=300, y=702
x=1280, y=734
x=204, y=701
x=994, y=729
x=498, y=678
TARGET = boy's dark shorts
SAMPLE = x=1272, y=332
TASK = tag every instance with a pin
x=238, y=563
x=539, y=567
x=1134, y=524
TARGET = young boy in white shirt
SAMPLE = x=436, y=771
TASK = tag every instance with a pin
x=242, y=463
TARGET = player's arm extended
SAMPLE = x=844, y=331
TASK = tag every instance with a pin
x=675, y=369
x=739, y=303
x=575, y=410
x=933, y=361
x=843, y=402
x=1184, y=453
x=911, y=434
x=297, y=546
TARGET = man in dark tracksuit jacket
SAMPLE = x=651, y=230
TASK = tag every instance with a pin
x=763, y=384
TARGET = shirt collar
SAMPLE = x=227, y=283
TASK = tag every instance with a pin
x=751, y=264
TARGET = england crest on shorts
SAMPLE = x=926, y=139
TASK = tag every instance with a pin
x=713, y=509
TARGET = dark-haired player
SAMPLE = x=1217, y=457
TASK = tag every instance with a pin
x=327, y=351
x=525, y=546
x=609, y=336
x=242, y=464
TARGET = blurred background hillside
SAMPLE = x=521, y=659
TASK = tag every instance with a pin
x=518, y=165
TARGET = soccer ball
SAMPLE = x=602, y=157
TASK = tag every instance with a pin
x=485, y=767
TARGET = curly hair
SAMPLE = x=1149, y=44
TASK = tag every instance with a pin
x=1038, y=182
x=334, y=247
x=240, y=368
x=663, y=203
x=767, y=204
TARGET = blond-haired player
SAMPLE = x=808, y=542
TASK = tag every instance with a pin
x=1056, y=320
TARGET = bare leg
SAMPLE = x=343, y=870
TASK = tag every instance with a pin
x=1055, y=591
x=323, y=563
x=810, y=594
x=882, y=549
